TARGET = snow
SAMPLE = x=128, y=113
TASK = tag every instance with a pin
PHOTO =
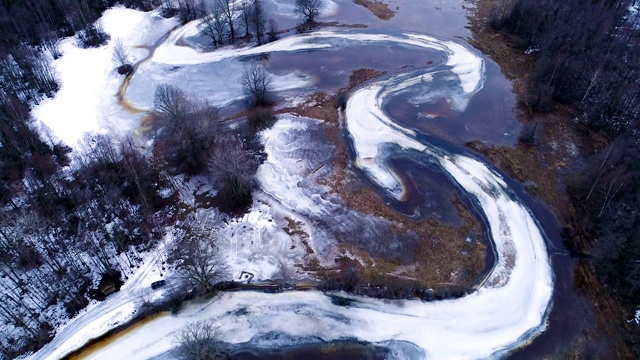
x=117, y=309
x=219, y=84
x=280, y=175
x=257, y=243
x=86, y=100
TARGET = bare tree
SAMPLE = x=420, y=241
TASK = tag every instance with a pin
x=592, y=81
x=198, y=262
x=228, y=8
x=191, y=128
x=197, y=342
x=257, y=84
x=232, y=168
x=246, y=14
x=272, y=31
x=213, y=24
x=190, y=10
x=120, y=57
x=309, y=9
x=258, y=19
x=171, y=102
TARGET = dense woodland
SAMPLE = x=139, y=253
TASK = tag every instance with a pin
x=71, y=221
x=588, y=56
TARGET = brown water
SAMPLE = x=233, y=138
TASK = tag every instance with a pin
x=489, y=117
x=100, y=343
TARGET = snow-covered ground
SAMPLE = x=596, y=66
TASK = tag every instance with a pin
x=505, y=312
x=89, y=81
x=100, y=317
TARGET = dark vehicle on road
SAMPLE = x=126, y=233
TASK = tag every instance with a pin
x=158, y=284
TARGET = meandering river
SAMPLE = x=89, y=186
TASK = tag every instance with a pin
x=511, y=306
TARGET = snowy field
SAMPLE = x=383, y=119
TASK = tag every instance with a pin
x=507, y=310
x=89, y=79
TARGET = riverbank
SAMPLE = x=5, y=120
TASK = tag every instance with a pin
x=559, y=149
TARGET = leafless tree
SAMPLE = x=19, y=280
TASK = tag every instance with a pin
x=228, y=8
x=198, y=342
x=167, y=9
x=120, y=53
x=232, y=168
x=213, y=24
x=171, y=102
x=257, y=84
x=191, y=127
x=246, y=14
x=272, y=31
x=309, y=9
x=258, y=19
x=592, y=81
x=120, y=57
x=197, y=260
x=190, y=10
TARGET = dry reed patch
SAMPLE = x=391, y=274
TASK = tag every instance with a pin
x=378, y=8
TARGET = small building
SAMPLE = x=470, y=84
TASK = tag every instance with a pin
x=106, y=286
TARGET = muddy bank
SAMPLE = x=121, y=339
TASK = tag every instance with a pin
x=378, y=8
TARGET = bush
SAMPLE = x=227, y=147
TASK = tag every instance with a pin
x=92, y=36
x=260, y=118
x=341, y=100
x=528, y=134
x=540, y=97
x=197, y=342
x=232, y=167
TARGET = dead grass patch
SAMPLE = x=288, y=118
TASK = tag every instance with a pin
x=293, y=229
x=378, y=8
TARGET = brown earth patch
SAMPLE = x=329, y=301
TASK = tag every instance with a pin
x=294, y=228
x=361, y=76
x=378, y=8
